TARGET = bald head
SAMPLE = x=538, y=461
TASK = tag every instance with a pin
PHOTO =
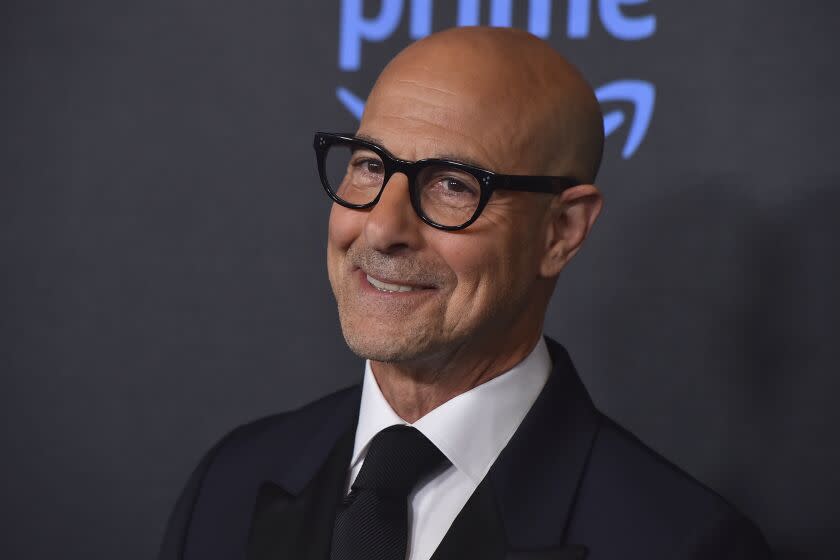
x=532, y=111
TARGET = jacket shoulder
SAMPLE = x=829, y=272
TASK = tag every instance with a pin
x=214, y=510
x=644, y=501
x=292, y=424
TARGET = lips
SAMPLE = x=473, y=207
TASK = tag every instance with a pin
x=393, y=286
x=388, y=287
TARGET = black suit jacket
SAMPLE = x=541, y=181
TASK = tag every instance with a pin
x=571, y=484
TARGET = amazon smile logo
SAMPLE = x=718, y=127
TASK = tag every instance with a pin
x=636, y=96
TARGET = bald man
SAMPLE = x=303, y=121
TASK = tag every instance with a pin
x=464, y=193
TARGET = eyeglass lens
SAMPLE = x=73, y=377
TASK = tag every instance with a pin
x=447, y=195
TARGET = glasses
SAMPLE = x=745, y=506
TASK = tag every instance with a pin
x=447, y=195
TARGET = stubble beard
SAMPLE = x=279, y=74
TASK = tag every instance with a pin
x=378, y=343
x=407, y=338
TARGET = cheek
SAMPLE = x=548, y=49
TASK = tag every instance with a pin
x=481, y=272
x=345, y=225
x=489, y=271
x=342, y=231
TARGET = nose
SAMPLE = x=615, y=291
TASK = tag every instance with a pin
x=391, y=225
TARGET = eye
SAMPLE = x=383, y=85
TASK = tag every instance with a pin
x=372, y=166
x=454, y=185
x=450, y=186
x=366, y=162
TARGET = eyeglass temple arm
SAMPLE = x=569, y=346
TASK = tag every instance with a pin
x=532, y=183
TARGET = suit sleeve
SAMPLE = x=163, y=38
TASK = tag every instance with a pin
x=730, y=537
x=174, y=537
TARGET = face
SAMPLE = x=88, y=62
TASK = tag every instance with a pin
x=407, y=291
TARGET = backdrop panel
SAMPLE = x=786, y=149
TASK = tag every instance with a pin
x=162, y=234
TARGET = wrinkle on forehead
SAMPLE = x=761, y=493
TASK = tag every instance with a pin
x=419, y=84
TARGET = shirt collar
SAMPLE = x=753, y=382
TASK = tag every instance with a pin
x=470, y=429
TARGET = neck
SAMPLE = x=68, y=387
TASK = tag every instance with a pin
x=414, y=389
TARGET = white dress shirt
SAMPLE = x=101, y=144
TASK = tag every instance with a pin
x=470, y=429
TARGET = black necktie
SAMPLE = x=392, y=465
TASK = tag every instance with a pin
x=372, y=524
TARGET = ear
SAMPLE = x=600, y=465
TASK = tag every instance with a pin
x=568, y=221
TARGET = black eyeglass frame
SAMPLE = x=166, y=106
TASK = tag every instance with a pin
x=488, y=181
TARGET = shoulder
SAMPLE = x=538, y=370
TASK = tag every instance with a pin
x=217, y=500
x=288, y=428
x=643, y=497
x=278, y=444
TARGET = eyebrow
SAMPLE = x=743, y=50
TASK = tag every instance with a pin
x=451, y=157
x=367, y=138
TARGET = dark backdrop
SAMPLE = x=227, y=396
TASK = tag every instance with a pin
x=162, y=235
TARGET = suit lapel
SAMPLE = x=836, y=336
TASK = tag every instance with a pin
x=537, y=475
x=295, y=507
x=300, y=526
x=522, y=507
x=477, y=531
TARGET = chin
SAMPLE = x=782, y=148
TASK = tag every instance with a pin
x=385, y=345
x=379, y=350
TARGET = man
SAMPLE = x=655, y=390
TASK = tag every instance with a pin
x=466, y=190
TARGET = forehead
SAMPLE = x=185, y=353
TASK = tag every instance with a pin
x=431, y=115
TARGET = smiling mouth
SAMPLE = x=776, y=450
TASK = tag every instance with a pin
x=389, y=287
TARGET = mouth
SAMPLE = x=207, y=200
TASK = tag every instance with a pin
x=393, y=286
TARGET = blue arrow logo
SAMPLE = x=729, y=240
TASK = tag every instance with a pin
x=641, y=94
x=351, y=102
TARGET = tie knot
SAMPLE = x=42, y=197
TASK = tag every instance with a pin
x=397, y=458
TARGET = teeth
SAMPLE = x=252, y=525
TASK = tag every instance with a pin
x=386, y=287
